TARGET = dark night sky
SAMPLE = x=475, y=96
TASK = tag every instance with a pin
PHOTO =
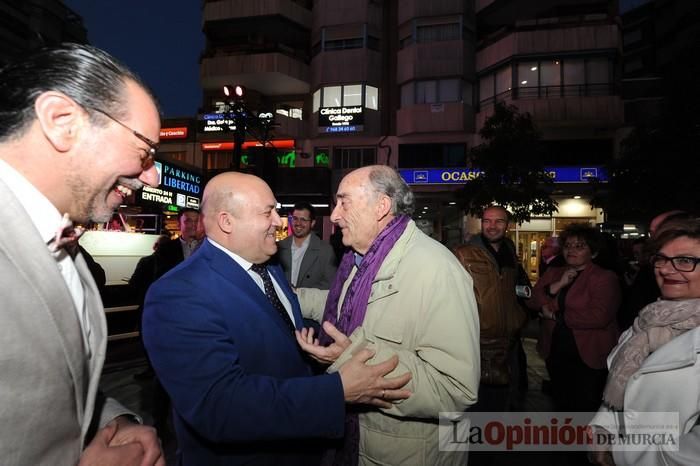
x=159, y=39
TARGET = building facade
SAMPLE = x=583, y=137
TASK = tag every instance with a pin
x=410, y=83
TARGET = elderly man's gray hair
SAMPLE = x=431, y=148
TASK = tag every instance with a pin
x=387, y=181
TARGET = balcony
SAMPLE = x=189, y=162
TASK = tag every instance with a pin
x=549, y=41
x=435, y=59
x=245, y=9
x=594, y=105
x=270, y=73
x=435, y=118
x=346, y=66
x=410, y=9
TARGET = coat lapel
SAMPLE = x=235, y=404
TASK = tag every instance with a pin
x=27, y=249
x=310, y=257
x=228, y=268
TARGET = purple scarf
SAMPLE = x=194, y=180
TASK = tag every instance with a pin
x=351, y=316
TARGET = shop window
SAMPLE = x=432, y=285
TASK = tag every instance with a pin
x=353, y=157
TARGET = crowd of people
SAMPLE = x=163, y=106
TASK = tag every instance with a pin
x=288, y=353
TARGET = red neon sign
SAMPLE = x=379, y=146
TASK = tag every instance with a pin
x=277, y=144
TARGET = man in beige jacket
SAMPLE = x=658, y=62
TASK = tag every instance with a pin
x=401, y=293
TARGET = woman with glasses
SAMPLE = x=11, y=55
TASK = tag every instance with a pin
x=578, y=304
x=655, y=366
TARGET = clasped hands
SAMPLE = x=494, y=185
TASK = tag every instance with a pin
x=362, y=383
x=123, y=443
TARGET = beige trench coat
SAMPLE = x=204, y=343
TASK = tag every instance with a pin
x=421, y=308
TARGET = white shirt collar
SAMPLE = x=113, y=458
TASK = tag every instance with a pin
x=43, y=214
x=242, y=262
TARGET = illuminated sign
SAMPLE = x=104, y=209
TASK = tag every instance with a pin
x=176, y=186
x=350, y=119
x=173, y=133
x=277, y=144
x=464, y=175
x=217, y=123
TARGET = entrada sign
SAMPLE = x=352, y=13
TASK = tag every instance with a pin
x=176, y=185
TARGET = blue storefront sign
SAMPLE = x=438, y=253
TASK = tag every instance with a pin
x=176, y=186
x=464, y=175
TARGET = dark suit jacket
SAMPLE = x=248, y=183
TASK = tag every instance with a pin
x=318, y=266
x=168, y=255
x=242, y=392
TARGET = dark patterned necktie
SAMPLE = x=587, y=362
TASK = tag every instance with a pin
x=261, y=270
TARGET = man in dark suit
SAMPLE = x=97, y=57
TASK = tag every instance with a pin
x=308, y=262
x=219, y=329
x=172, y=252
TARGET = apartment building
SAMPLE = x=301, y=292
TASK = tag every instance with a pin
x=409, y=83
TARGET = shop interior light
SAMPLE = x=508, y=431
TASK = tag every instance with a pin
x=319, y=205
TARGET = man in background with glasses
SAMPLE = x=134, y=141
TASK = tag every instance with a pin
x=69, y=152
x=308, y=261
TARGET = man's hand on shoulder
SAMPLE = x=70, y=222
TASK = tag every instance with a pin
x=124, y=443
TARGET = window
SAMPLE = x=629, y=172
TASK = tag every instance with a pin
x=486, y=87
x=550, y=73
x=597, y=71
x=345, y=37
x=504, y=80
x=349, y=95
x=352, y=95
x=332, y=96
x=553, y=77
x=430, y=92
x=290, y=112
x=317, y=100
x=372, y=97
x=426, y=92
x=574, y=72
x=528, y=74
x=353, y=157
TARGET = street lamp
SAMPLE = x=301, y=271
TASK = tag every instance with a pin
x=237, y=108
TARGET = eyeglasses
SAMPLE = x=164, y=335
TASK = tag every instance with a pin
x=577, y=246
x=301, y=219
x=680, y=263
x=148, y=159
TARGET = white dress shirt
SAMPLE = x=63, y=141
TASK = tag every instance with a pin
x=298, y=256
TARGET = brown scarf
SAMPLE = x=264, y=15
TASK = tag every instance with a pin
x=657, y=324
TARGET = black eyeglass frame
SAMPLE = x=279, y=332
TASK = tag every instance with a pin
x=149, y=160
x=665, y=259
